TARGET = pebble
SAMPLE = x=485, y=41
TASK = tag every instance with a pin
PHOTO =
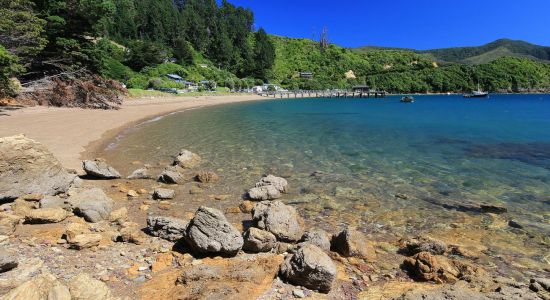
x=298, y=294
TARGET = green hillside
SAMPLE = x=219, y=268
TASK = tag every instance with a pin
x=490, y=52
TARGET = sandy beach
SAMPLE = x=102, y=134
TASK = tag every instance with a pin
x=68, y=132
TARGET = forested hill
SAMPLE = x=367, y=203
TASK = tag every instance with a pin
x=491, y=51
x=139, y=42
x=480, y=54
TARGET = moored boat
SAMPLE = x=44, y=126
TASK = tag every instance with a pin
x=477, y=94
x=407, y=99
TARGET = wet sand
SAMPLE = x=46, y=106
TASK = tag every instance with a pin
x=68, y=132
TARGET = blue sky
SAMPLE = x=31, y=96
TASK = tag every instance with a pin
x=420, y=24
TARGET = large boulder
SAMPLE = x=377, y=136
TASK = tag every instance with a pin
x=278, y=182
x=186, y=159
x=310, y=267
x=8, y=223
x=167, y=228
x=27, y=167
x=261, y=193
x=8, y=261
x=210, y=232
x=98, y=168
x=280, y=219
x=43, y=286
x=257, y=240
x=85, y=287
x=92, y=204
x=317, y=237
x=350, y=242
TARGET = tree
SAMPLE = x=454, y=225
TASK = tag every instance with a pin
x=144, y=54
x=323, y=41
x=183, y=52
x=264, y=54
x=21, y=29
x=9, y=67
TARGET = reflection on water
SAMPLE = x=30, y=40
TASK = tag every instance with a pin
x=348, y=159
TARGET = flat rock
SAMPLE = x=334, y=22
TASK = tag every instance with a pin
x=27, y=167
x=99, y=169
x=120, y=215
x=280, y=219
x=168, y=228
x=93, y=204
x=54, y=202
x=142, y=173
x=164, y=194
x=210, y=232
x=317, y=237
x=310, y=267
x=8, y=261
x=186, y=159
x=7, y=224
x=46, y=215
x=85, y=240
x=261, y=193
x=352, y=243
x=257, y=240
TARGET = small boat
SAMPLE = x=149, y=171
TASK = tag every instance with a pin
x=477, y=94
x=407, y=99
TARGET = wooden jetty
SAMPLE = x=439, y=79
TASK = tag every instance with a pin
x=324, y=94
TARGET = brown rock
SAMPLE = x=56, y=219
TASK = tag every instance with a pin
x=163, y=262
x=350, y=242
x=207, y=177
x=46, y=215
x=86, y=240
x=246, y=206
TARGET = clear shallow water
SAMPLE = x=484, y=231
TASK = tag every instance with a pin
x=440, y=149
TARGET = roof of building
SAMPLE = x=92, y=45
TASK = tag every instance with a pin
x=174, y=76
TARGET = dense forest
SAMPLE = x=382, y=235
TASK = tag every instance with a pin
x=138, y=42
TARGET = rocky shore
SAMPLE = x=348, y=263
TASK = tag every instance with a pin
x=96, y=233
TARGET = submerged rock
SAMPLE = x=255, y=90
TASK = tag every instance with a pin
x=280, y=219
x=207, y=177
x=186, y=159
x=352, y=243
x=323, y=177
x=167, y=228
x=310, y=267
x=210, y=232
x=98, y=168
x=257, y=240
x=92, y=204
x=8, y=261
x=27, y=167
x=423, y=244
x=164, y=194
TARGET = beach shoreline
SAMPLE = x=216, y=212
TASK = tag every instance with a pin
x=71, y=133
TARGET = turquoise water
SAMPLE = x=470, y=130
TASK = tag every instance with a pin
x=441, y=151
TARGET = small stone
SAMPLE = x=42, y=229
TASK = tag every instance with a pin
x=257, y=240
x=144, y=207
x=164, y=194
x=142, y=173
x=246, y=206
x=515, y=224
x=132, y=194
x=8, y=261
x=352, y=243
x=171, y=176
x=264, y=193
x=99, y=169
x=120, y=215
x=280, y=219
x=167, y=228
x=298, y=294
x=317, y=237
